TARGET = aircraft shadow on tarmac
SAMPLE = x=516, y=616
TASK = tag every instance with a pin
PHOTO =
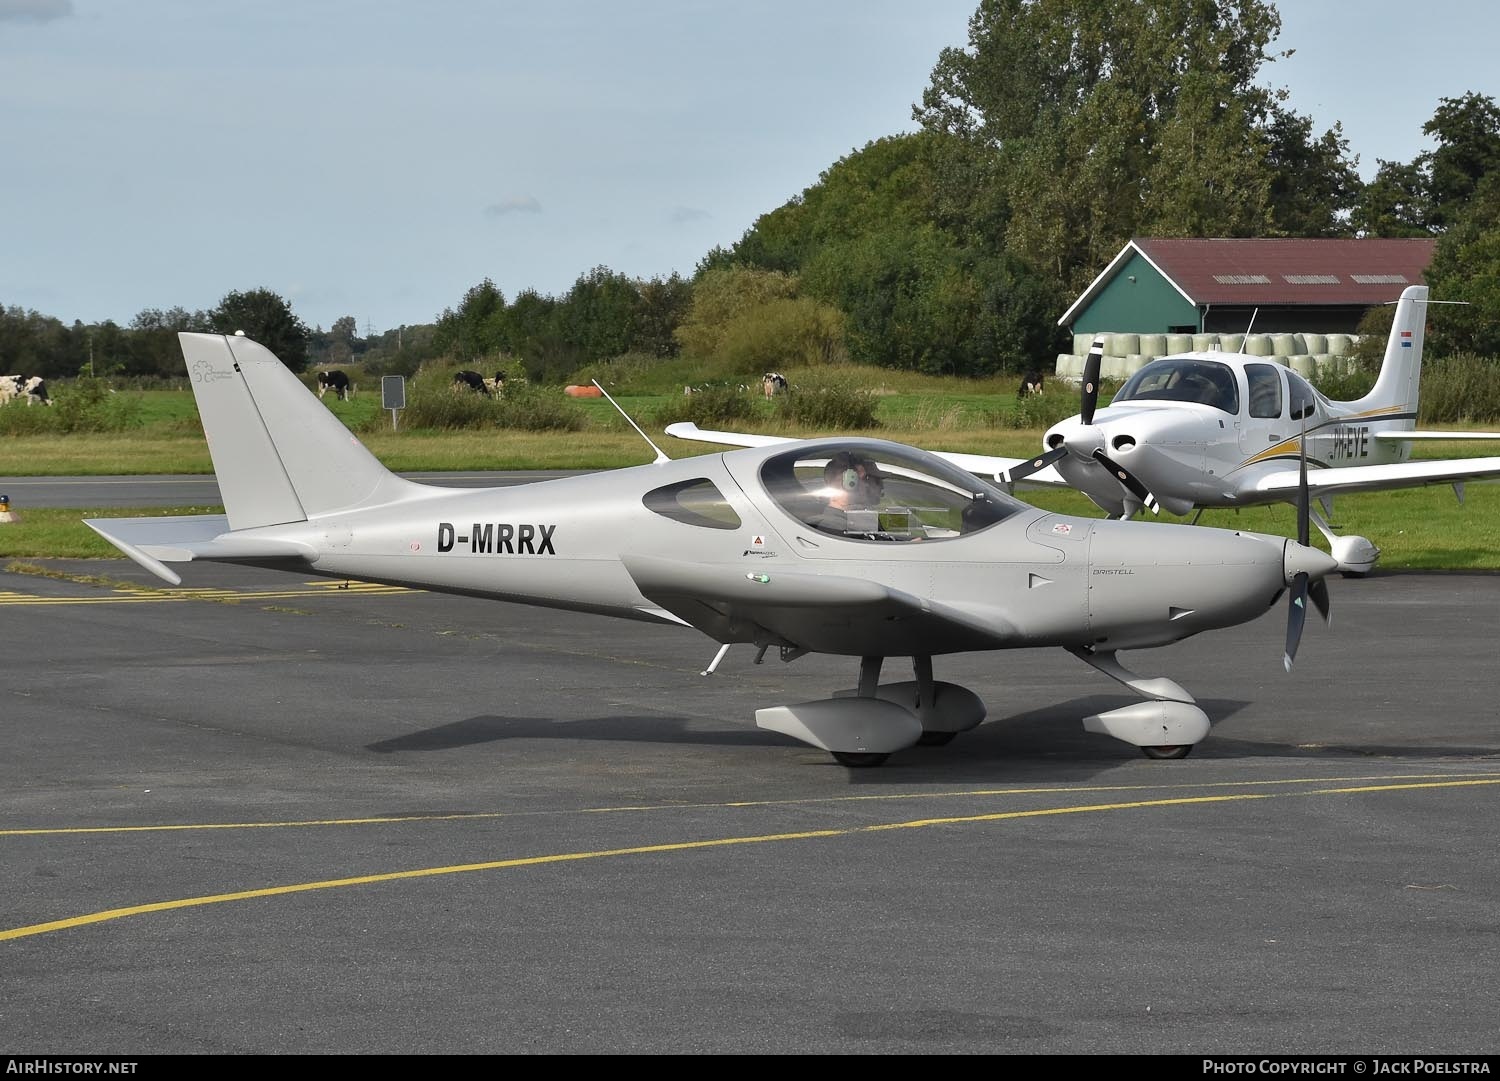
x=1051, y=735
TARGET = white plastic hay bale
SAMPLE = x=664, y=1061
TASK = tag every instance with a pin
x=1069, y=366
x=1134, y=363
x=1303, y=365
x=1112, y=368
x=1316, y=343
x=1181, y=343
x=1230, y=343
x=1202, y=343
x=1122, y=345
x=1153, y=345
x=1282, y=345
x=1082, y=343
x=1259, y=345
x=1341, y=345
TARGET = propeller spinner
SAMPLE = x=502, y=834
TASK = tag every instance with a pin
x=1089, y=402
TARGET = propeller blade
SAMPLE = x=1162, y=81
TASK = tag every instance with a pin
x=1129, y=480
x=1296, y=615
x=1319, y=593
x=1091, y=368
x=1304, y=508
x=1025, y=469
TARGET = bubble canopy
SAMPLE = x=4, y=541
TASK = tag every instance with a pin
x=871, y=490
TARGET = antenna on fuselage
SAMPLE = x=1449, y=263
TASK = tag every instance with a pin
x=660, y=457
x=1246, y=342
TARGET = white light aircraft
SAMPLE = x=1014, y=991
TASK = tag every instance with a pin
x=1214, y=429
x=925, y=559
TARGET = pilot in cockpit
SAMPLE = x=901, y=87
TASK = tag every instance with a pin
x=852, y=486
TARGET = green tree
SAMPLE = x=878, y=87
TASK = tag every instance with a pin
x=152, y=342
x=664, y=305
x=1467, y=131
x=1107, y=120
x=530, y=332
x=721, y=295
x=1315, y=183
x=1394, y=204
x=266, y=318
x=1466, y=270
x=477, y=327
x=598, y=315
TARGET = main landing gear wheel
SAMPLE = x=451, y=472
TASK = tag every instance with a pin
x=1180, y=751
x=859, y=759
x=935, y=739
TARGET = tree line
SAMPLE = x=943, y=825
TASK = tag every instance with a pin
x=1057, y=132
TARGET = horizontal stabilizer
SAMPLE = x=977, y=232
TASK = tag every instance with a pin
x=152, y=542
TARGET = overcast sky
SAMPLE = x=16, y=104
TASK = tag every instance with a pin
x=376, y=158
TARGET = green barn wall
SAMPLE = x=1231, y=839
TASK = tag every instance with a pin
x=1148, y=305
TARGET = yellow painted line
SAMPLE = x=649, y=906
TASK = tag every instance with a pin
x=681, y=846
x=1367, y=783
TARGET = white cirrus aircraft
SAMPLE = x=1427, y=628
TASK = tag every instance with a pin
x=1214, y=429
x=859, y=548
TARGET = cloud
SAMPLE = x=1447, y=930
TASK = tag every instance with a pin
x=513, y=204
x=681, y=214
x=37, y=11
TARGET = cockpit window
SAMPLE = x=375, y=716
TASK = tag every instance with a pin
x=1204, y=381
x=693, y=502
x=1304, y=398
x=1265, y=390
x=881, y=492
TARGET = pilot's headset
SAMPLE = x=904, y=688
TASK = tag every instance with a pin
x=865, y=487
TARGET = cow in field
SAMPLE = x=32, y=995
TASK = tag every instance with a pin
x=772, y=384
x=1031, y=383
x=33, y=388
x=496, y=384
x=336, y=381
x=467, y=380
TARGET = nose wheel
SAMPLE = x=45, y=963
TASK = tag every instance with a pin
x=1168, y=752
x=859, y=759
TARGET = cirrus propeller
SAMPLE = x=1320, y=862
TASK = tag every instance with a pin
x=1089, y=403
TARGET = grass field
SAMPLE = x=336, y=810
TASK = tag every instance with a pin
x=1423, y=528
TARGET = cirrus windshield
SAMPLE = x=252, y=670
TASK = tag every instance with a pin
x=1206, y=382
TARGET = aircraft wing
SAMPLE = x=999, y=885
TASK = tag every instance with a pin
x=821, y=613
x=1375, y=478
x=981, y=465
x=1413, y=437
x=687, y=429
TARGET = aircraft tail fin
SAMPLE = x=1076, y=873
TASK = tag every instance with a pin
x=279, y=454
x=1396, y=388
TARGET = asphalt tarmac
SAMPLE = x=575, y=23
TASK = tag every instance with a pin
x=262, y=814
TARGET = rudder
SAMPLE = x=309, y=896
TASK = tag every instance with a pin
x=280, y=456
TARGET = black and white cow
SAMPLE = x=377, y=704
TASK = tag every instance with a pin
x=772, y=384
x=32, y=387
x=496, y=384
x=467, y=380
x=1031, y=383
x=337, y=382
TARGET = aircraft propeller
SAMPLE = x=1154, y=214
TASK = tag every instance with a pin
x=1092, y=368
x=1303, y=586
